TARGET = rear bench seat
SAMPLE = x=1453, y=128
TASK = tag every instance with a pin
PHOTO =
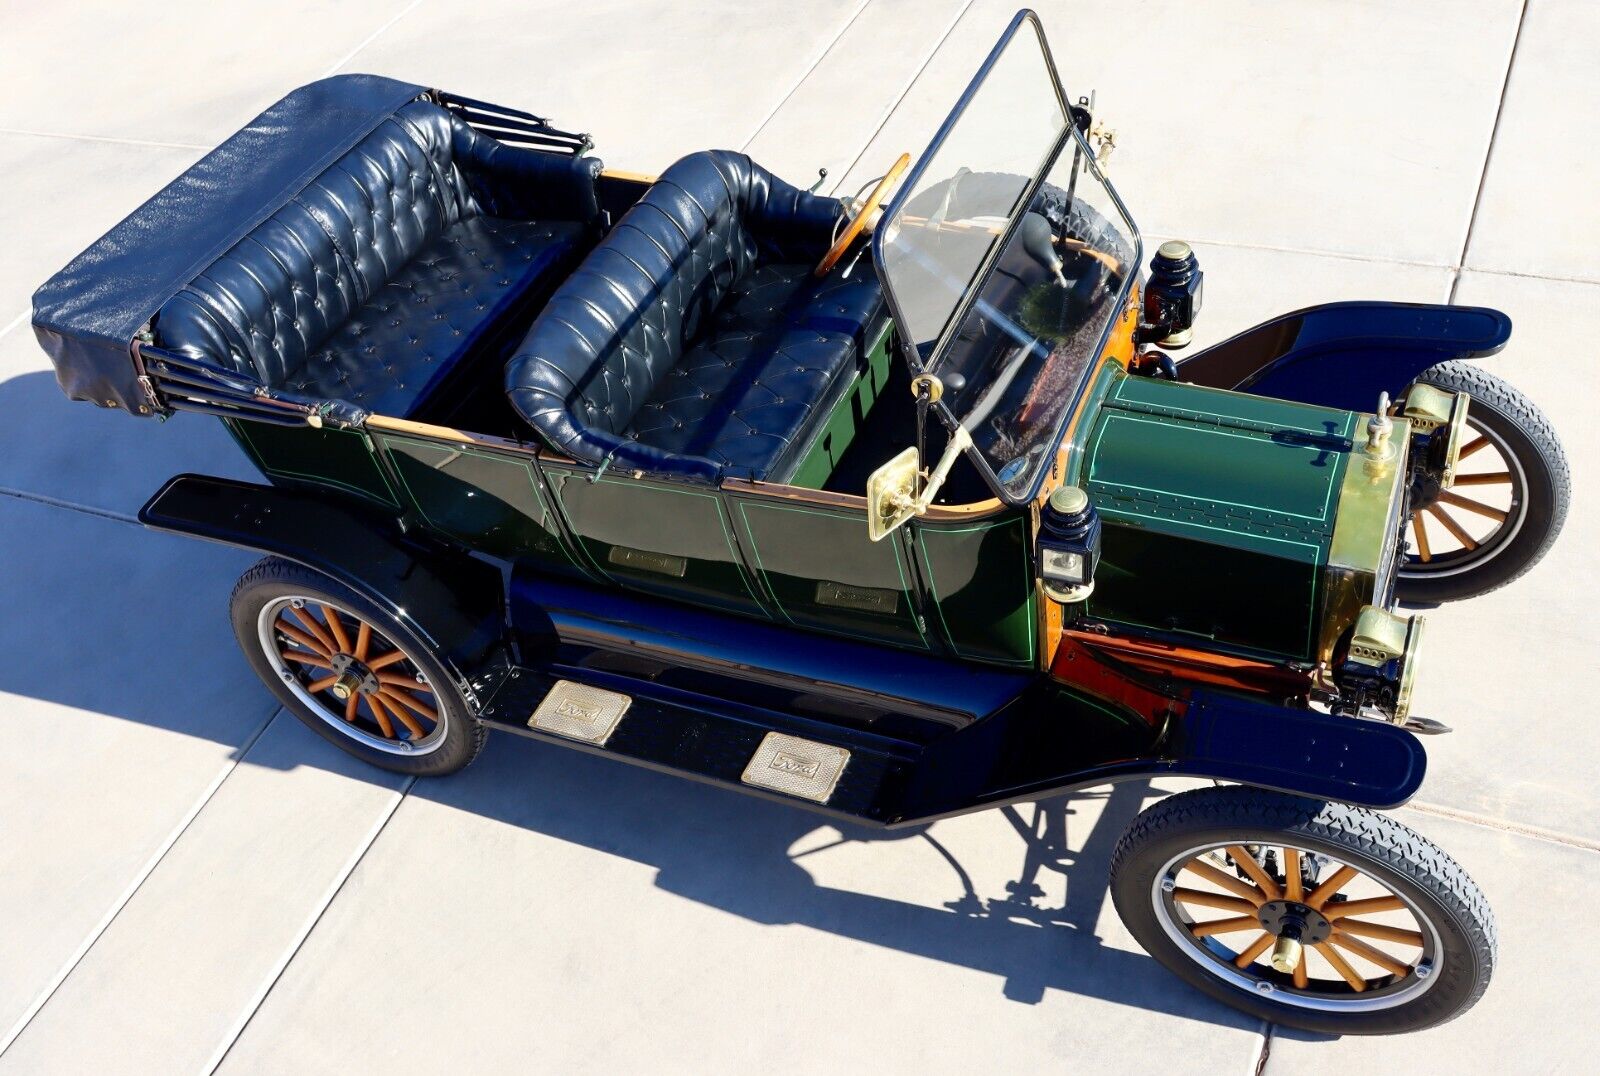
x=406, y=254
x=694, y=341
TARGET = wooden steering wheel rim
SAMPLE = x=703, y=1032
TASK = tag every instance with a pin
x=868, y=207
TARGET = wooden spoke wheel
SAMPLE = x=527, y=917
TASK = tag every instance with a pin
x=1309, y=914
x=1455, y=528
x=1507, y=503
x=351, y=672
x=1299, y=922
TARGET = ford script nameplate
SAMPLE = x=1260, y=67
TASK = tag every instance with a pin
x=580, y=712
x=796, y=767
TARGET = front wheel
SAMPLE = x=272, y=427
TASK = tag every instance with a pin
x=1508, y=502
x=1310, y=914
x=351, y=672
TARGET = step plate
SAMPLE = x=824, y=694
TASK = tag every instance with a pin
x=580, y=712
x=796, y=767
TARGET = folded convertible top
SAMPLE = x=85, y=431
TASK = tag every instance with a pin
x=87, y=316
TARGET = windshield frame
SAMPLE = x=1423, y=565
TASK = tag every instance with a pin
x=1070, y=136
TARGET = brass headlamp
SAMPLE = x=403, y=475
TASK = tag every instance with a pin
x=1383, y=649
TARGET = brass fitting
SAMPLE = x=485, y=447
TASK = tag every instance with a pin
x=347, y=684
x=1286, y=954
x=1379, y=429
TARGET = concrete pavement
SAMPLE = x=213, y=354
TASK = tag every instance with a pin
x=190, y=880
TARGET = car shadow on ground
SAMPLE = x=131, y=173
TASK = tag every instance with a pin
x=148, y=620
x=741, y=855
x=93, y=456
x=738, y=854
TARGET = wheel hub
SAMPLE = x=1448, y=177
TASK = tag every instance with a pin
x=354, y=678
x=1288, y=917
x=1295, y=925
x=347, y=684
x=1424, y=490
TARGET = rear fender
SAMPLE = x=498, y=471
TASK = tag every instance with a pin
x=452, y=602
x=1343, y=354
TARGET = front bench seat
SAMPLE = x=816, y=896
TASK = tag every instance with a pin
x=413, y=250
x=694, y=341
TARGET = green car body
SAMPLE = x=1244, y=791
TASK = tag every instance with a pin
x=1224, y=515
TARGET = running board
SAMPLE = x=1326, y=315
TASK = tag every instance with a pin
x=774, y=755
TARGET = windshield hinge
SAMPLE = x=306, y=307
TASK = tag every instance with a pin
x=1083, y=115
x=1102, y=140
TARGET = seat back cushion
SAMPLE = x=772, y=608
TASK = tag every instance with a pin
x=613, y=329
x=261, y=308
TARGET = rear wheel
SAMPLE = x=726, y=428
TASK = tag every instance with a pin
x=353, y=674
x=1508, y=502
x=1309, y=914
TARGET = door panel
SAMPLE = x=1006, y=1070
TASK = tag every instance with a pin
x=980, y=580
x=327, y=456
x=820, y=571
x=488, y=501
x=656, y=537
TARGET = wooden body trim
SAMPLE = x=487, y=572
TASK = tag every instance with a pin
x=627, y=177
x=446, y=433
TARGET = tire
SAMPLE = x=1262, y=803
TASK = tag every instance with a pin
x=1078, y=219
x=1540, y=489
x=1449, y=912
x=269, y=591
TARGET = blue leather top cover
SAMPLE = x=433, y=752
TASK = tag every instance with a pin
x=87, y=315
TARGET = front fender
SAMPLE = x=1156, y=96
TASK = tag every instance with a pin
x=1062, y=743
x=1229, y=738
x=1343, y=354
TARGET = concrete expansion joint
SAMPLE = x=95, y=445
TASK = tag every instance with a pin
x=1521, y=829
x=54, y=502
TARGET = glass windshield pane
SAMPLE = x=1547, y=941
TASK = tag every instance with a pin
x=1015, y=332
x=1026, y=346
x=957, y=207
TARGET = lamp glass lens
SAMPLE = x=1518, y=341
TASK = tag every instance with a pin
x=1062, y=566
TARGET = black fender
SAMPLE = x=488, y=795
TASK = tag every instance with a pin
x=454, y=603
x=1051, y=746
x=1343, y=354
x=1229, y=738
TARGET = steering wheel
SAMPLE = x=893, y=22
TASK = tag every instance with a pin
x=868, y=210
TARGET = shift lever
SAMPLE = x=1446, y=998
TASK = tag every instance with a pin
x=1039, y=240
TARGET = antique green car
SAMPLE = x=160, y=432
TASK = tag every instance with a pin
x=893, y=507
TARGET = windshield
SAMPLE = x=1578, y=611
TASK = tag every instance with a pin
x=1006, y=258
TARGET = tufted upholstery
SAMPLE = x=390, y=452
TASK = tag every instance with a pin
x=387, y=268
x=411, y=331
x=694, y=341
x=774, y=356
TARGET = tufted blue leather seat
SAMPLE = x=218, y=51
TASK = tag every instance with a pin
x=398, y=260
x=694, y=340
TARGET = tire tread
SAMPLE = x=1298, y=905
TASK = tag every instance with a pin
x=1519, y=557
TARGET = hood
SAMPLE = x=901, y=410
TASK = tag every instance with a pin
x=1221, y=512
